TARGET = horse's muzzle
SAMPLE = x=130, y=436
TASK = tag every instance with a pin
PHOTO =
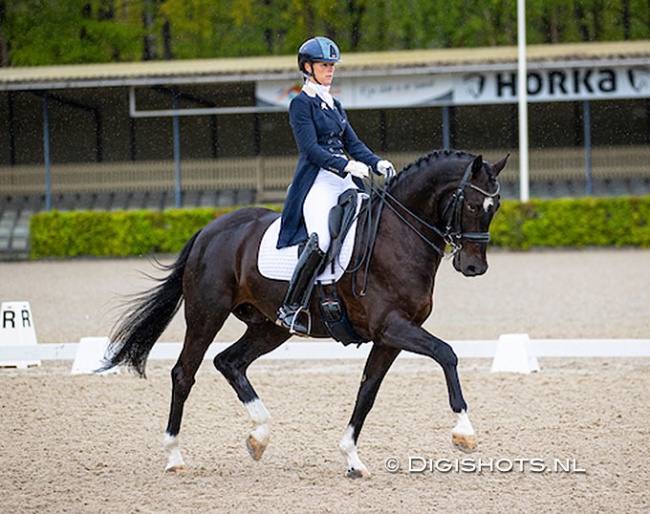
x=469, y=265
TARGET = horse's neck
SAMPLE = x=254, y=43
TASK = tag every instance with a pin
x=422, y=194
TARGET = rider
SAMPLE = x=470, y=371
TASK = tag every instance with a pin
x=325, y=139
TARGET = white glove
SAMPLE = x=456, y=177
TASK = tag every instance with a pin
x=357, y=169
x=386, y=169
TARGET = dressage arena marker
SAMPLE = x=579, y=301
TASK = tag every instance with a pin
x=513, y=355
x=17, y=328
x=90, y=355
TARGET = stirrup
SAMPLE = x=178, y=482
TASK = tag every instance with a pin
x=281, y=320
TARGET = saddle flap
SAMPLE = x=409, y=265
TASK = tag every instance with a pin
x=341, y=218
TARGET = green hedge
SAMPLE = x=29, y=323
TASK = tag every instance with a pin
x=581, y=222
x=573, y=222
x=115, y=234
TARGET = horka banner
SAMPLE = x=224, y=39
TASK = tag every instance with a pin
x=494, y=87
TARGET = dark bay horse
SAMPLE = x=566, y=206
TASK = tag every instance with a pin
x=444, y=199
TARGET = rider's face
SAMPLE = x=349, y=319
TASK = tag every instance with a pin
x=323, y=71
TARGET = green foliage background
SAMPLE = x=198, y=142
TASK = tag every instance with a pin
x=575, y=223
x=37, y=32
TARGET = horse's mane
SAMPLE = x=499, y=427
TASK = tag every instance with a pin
x=426, y=160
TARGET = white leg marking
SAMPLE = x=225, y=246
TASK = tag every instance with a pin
x=261, y=420
x=463, y=426
x=487, y=203
x=174, y=457
x=349, y=450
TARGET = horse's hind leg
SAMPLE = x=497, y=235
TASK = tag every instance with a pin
x=198, y=338
x=379, y=362
x=261, y=337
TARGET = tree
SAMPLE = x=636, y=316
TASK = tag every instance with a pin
x=36, y=32
x=69, y=31
x=4, y=43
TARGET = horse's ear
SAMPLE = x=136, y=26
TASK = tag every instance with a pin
x=498, y=166
x=477, y=166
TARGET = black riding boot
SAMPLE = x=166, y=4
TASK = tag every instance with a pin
x=300, y=288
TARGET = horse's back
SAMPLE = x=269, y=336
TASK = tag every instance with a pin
x=245, y=224
x=232, y=241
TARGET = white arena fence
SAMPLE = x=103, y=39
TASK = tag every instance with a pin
x=329, y=349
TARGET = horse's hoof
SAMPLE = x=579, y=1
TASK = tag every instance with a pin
x=255, y=447
x=353, y=473
x=179, y=468
x=465, y=443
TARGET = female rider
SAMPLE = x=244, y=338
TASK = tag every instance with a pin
x=325, y=139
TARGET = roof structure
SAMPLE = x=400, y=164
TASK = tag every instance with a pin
x=354, y=64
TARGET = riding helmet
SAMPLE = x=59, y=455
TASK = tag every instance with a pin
x=318, y=49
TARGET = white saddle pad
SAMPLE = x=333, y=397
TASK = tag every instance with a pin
x=279, y=264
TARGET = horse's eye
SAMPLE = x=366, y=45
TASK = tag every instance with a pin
x=472, y=208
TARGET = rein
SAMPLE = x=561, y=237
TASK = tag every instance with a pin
x=453, y=234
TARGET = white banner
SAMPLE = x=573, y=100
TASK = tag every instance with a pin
x=548, y=85
x=554, y=85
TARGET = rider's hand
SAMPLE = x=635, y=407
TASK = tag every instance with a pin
x=386, y=169
x=357, y=169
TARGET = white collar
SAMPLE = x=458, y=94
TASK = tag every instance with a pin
x=322, y=91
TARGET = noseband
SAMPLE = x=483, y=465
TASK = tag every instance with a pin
x=453, y=234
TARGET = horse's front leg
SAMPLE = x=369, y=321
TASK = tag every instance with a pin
x=378, y=363
x=403, y=334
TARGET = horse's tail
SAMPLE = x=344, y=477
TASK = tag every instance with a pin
x=138, y=329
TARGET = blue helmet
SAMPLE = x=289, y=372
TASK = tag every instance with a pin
x=318, y=49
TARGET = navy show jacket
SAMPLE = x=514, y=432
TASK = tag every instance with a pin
x=324, y=137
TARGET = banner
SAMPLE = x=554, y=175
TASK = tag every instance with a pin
x=493, y=87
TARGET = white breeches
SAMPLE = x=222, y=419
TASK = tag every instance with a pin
x=322, y=196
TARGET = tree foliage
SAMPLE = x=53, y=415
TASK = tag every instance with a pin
x=36, y=32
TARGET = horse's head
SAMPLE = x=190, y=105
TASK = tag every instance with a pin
x=469, y=213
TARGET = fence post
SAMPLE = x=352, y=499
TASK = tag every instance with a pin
x=46, y=153
x=259, y=179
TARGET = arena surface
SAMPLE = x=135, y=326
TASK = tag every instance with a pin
x=94, y=443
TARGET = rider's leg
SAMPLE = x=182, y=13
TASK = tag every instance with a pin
x=300, y=288
x=322, y=196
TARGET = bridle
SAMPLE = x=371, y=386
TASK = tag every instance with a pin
x=453, y=235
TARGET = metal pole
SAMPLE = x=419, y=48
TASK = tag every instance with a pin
x=46, y=154
x=177, y=152
x=587, y=129
x=522, y=94
x=446, y=138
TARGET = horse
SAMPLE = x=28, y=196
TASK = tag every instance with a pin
x=440, y=204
